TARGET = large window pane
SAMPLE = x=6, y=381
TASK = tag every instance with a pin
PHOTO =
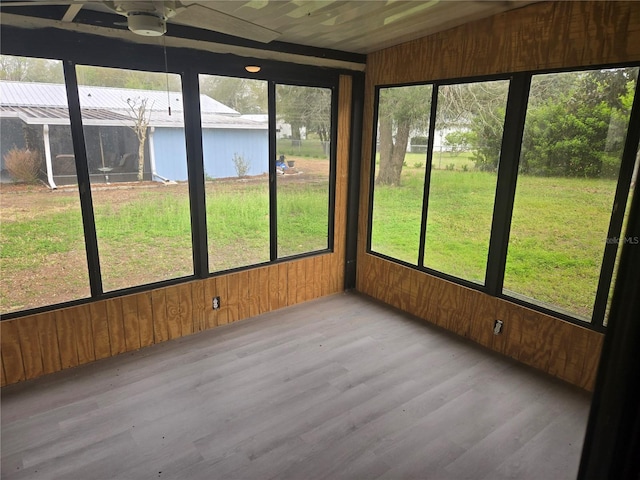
x=42, y=253
x=303, y=165
x=468, y=137
x=574, y=134
x=235, y=141
x=403, y=124
x=134, y=134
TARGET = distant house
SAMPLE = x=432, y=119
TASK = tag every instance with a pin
x=39, y=111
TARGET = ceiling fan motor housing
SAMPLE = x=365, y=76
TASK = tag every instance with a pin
x=146, y=23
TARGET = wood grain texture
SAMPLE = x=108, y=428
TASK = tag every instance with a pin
x=145, y=318
x=130, y=321
x=66, y=338
x=11, y=352
x=538, y=36
x=159, y=306
x=562, y=349
x=84, y=333
x=30, y=347
x=116, y=326
x=100, y=329
x=48, y=334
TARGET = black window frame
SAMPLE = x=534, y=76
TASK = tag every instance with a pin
x=507, y=175
x=188, y=64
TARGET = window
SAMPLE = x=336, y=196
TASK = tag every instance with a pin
x=400, y=162
x=235, y=141
x=42, y=251
x=136, y=155
x=574, y=135
x=460, y=164
x=468, y=138
x=567, y=175
x=303, y=153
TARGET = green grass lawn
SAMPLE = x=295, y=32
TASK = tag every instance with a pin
x=556, y=244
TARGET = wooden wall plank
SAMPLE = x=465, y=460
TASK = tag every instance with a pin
x=145, y=318
x=84, y=333
x=274, y=284
x=263, y=289
x=283, y=284
x=327, y=265
x=292, y=290
x=3, y=377
x=237, y=295
x=591, y=361
x=100, y=329
x=186, y=308
x=254, y=292
x=246, y=302
x=309, y=277
x=174, y=323
x=66, y=339
x=116, y=326
x=30, y=347
x=11, y=353
x=317, y=276
x=197, y=293
x=49, y=342
x=130, y=322
x=159, y=307
x=301, y=282
x=224, y=290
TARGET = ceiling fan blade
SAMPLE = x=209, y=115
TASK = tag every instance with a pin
x=208, y=19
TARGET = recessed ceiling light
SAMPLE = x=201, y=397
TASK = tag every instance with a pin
x=252, y=68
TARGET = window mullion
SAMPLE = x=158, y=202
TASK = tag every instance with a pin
x=273, y=201
x=617, y=216
x=506, y=183
x=427, y=174
x=84, y=185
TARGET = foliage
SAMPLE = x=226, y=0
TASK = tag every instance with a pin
x=418, y=165
x=241, y=165
x=458, y=140
x=23, y=164
x=244, y=95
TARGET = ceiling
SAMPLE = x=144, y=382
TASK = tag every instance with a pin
x=271, y=28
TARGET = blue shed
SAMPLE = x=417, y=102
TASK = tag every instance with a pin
x=111, y=144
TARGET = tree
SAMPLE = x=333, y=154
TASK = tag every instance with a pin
x=141, y=117
x=305, y=107
x=242, y=94
x=26, y=69
x=400, y=110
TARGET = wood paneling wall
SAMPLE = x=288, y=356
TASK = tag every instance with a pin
x=560, y=348
x=539, y=36
x=45, y=343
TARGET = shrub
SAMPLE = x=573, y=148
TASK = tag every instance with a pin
x=23, y=164
x=451, y=166
x=242, y=166
x=417, y=165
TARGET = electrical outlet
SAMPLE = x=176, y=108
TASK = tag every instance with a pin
x=497, y=327
x=215, y=303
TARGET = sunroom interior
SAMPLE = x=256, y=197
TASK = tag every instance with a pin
x=451, y=218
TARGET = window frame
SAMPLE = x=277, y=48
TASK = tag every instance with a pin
x=507, y=176
x=188, y=64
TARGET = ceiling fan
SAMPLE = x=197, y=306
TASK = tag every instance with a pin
x=149, y=18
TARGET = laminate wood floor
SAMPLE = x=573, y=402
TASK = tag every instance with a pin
x=337, y=388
